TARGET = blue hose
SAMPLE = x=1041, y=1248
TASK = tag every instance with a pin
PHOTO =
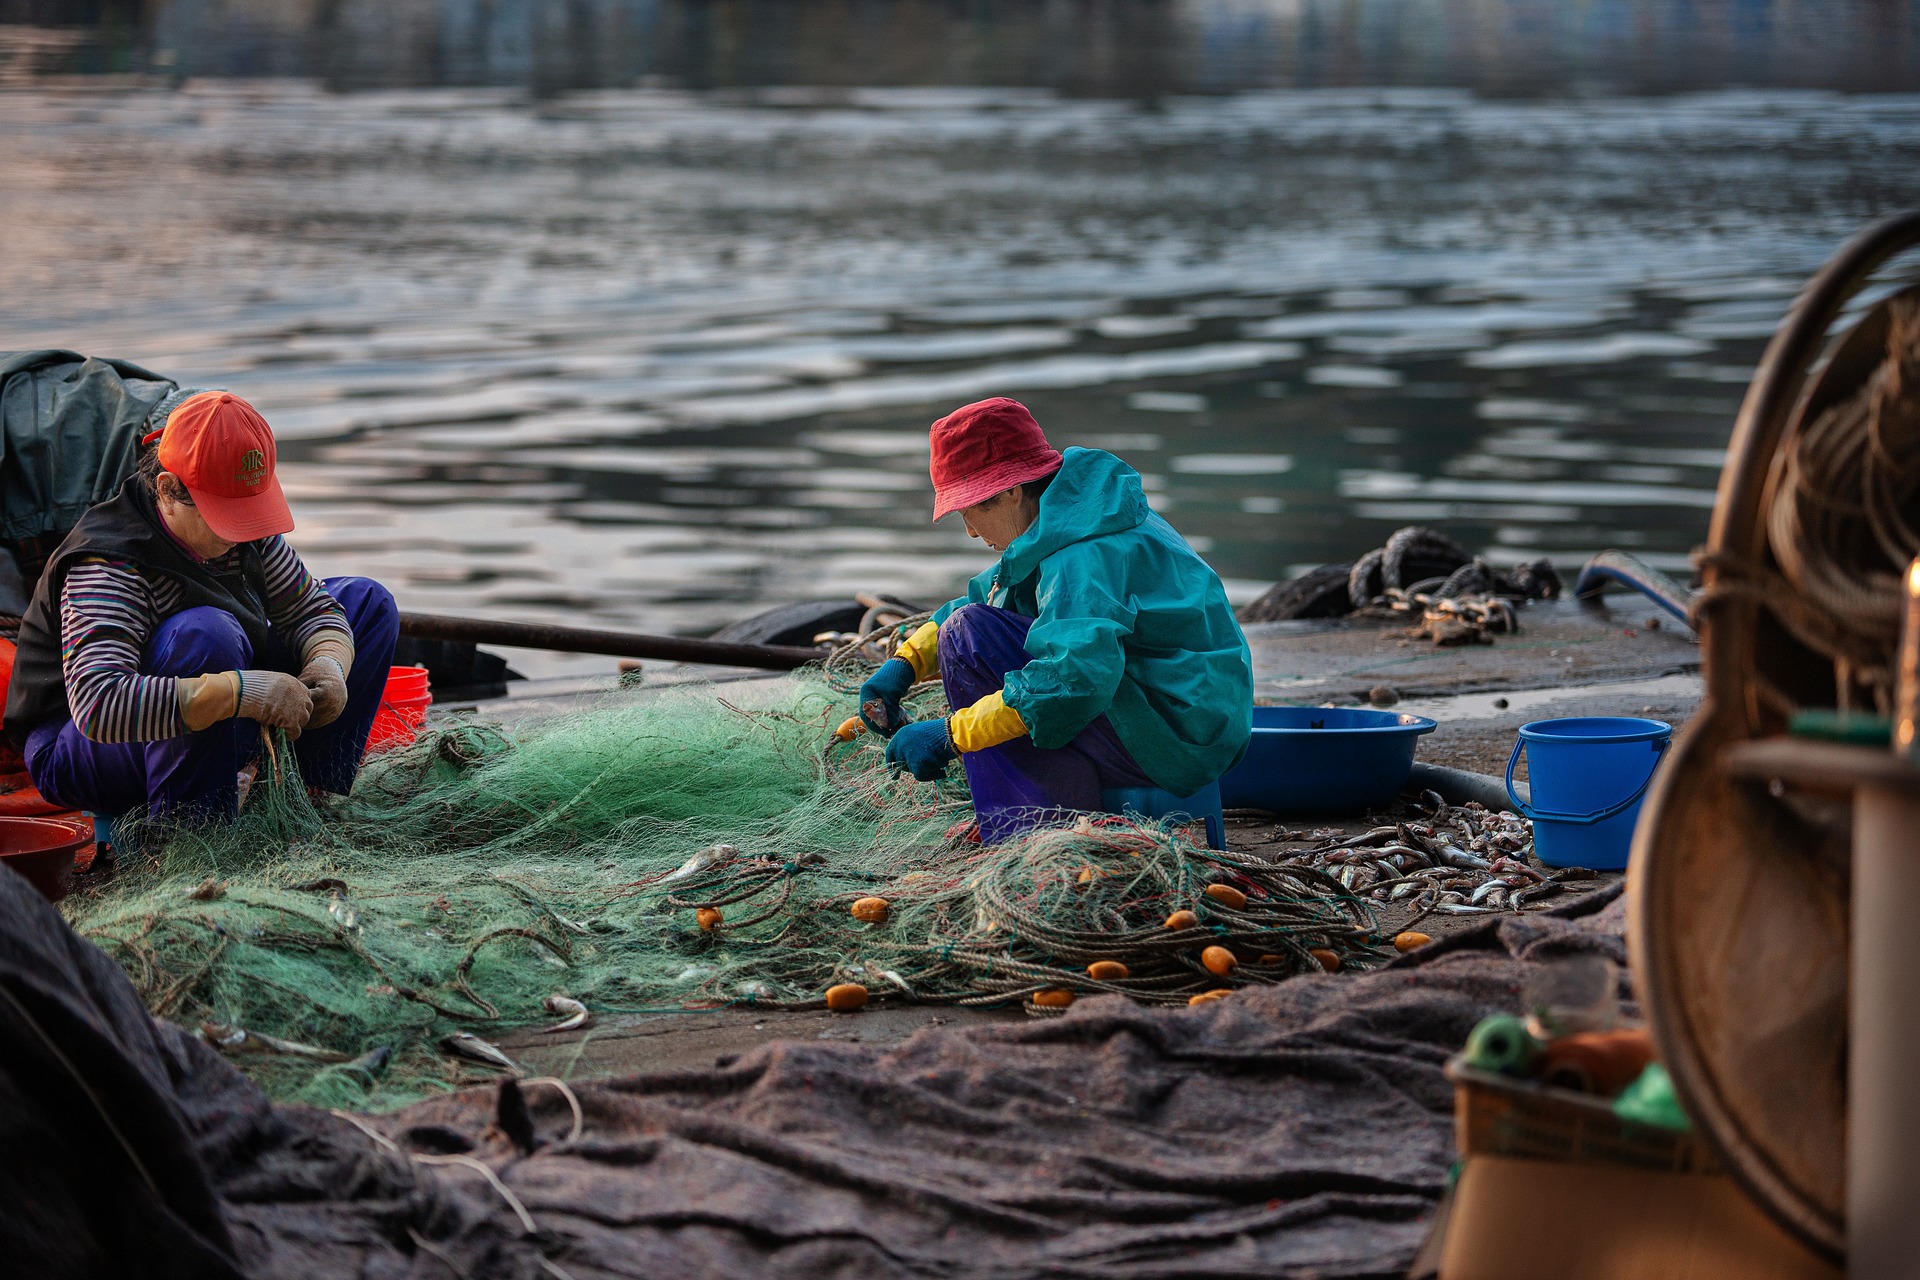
x=1631, y=571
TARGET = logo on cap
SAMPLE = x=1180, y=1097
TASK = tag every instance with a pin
x=253, y=467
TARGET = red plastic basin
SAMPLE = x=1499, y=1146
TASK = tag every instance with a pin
x=43, y=850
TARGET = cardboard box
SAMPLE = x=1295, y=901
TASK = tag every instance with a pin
x=1516, y=1219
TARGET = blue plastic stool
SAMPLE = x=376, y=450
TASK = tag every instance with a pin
x=1151, y=802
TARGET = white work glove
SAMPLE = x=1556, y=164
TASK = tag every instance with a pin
x=326, y=681
x=276, y=699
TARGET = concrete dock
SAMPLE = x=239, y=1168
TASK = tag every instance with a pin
x=1568, y=659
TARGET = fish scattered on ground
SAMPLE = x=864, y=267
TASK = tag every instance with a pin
x=1452, y=860
x=238, y=1040
x=577, y=1014
x=342, y=911
x=372, y=1062
x=700, y=862
x=464, y=1044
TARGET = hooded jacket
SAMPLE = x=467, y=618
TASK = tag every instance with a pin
x=1127, y=621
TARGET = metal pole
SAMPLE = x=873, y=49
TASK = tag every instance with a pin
x=621, y=644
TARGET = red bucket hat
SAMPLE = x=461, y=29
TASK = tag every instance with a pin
x=222, y=450
x=986, y=448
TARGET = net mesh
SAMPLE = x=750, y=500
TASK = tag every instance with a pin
x=484, y=869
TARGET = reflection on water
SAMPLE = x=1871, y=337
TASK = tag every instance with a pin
x=1114, y=48
x=655, y=358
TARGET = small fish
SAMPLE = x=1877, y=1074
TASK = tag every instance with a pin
x=370, y=1063
x=1461, y=909
x=1456, y=856
x=701, y=861
x=464, y=1044
x=1513, y=867
x=877, y=711
x=224, y=1038
x=577, y=1014
x=888, y=975
x=326, y=884
x=238, y=1040
x=1527, y=897
x=207, y=890
x=342, y=911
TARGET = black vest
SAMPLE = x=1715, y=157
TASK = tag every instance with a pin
x=127, y=528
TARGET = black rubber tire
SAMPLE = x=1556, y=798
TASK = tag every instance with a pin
x=793, y=624
x=1317, y=593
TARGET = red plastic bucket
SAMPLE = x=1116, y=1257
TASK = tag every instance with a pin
x=407, y=682
x=403, y=709
x=43, y=849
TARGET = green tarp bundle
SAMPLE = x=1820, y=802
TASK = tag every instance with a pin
x=70, y=428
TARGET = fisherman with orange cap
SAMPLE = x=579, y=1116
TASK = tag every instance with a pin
x=174, y=624
x=1099, y=653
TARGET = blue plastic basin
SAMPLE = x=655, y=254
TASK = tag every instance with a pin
x=1323, y=759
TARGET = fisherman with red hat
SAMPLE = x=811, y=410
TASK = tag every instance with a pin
x=175, y=623
x=1099, y=653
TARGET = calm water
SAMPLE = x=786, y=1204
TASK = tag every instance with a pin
x=659, y=358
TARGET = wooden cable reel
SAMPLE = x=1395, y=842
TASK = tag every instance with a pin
x=1737, y=897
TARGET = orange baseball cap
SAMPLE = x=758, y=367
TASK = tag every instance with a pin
x=222, y=450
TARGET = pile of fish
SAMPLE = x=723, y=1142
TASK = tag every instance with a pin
x=1448, y=860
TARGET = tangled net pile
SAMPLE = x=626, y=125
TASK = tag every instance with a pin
x=1841, y=514
x=482, y=870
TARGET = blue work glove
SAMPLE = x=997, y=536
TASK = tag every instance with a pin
x=924, y=748
x=880, y=696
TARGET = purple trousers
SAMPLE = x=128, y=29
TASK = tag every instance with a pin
x=193, y=777
x=1016, y=785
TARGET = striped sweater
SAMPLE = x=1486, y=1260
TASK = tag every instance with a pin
x=108, y=613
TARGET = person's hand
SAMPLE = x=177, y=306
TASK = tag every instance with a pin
x=923, y=748
x=326, y=680
x=276, y=699
x=880, y=696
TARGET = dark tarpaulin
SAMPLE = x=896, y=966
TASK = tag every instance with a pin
x=70, y=428
x=1299, y=1130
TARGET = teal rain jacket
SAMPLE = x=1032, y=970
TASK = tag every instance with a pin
x=1127, y=620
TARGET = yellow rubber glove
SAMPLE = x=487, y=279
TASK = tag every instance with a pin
x=921, y=650
x=207, y=700
x=987, y=723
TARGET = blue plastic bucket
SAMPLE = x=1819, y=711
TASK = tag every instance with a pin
x=1323, y=760
x=1587, y=776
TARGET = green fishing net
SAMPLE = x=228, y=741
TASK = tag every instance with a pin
x=585, y=855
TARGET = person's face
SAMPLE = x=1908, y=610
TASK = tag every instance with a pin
x=1001, y=518
x=184, y=519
